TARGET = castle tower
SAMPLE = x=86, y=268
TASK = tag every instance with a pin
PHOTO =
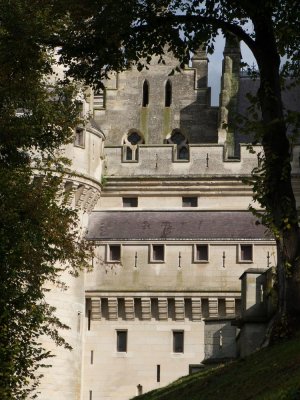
x=63, y=380
x=171, y=231
x=200, y=63
x=229, y=92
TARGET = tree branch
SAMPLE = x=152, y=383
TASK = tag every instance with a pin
x=215, y=22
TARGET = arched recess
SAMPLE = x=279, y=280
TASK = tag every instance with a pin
x=130, y=144
x=145, y=100
x=177, y=138
x=168, y=93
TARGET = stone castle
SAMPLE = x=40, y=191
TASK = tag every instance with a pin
x=159, y=187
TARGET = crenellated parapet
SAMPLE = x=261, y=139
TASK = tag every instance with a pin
x=203, y=160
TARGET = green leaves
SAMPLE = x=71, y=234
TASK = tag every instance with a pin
x=38, y=236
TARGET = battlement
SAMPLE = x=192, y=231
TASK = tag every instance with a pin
x=206, y=160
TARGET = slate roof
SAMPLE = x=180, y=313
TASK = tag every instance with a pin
x=174, y=225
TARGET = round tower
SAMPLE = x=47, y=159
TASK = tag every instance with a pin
x=63, y=380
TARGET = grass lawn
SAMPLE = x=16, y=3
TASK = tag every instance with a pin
x=269, y=374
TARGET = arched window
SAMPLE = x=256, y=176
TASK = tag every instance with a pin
x=168, y=93
x=131, y=142
x=145, y=94
x=182, y=148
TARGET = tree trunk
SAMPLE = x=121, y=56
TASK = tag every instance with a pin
x=279, y=199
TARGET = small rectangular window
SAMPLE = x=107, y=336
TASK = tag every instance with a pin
x=79, y=137
x=190, y=202
x=158, y=252
x=178, y=341
x=201, y=252
x=122, y=341
x=130, y=201
x=114, y=252
x=246, y=252
x=158, y=373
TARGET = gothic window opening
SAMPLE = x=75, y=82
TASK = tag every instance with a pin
x=131, y=142
x=79, y=140
x=145, y=94
x=180, y=140
x=183, y=153
x=168, y=93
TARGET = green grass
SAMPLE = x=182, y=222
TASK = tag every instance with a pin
x=269, y=374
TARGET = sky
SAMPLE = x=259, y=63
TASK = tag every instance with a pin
x=215, y=67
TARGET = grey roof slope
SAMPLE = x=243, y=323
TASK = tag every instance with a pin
x=174, y=225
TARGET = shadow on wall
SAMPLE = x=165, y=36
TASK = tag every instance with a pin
x=220, y=341
x=199, y=121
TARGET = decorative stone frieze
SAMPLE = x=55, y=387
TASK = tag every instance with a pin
x=129, y=308
x=96, y=308
x=146, y=308
x=162, y=308
x=179, y=309
x=213, y=310
x=112, y=303
x=230, y=307
x=196, y=309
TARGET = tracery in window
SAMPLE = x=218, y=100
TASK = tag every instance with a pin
x=180, y=140
x=130, y=143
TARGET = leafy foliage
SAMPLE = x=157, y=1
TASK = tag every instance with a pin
x=38, y=234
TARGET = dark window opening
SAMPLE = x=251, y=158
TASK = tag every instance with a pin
x=183, y=153
x=158, y=252
x=158, y=373
x=114, y=252
x=246, y=252
x=178, y=339
x=122, y=341
x=190, y=202
x=202, y=252
x=128, y=153
x=89, y=320
x=145, y=94
x=130, y=201
x=168, y=94
x=79, y=137
x=134, y=138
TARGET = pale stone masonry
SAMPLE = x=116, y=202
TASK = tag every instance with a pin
x=159, y=182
